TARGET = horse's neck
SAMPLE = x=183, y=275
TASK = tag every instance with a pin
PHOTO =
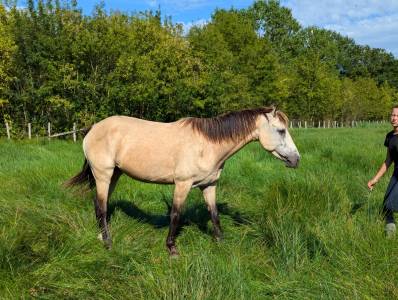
x=227, y=149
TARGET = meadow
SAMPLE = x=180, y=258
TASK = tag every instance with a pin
x=309, y=233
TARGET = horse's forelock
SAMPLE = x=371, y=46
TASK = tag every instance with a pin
x=283, y=118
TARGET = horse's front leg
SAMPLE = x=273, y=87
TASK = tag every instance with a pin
x=209, y=193
x=180, y=194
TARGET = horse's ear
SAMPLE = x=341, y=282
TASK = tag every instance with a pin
x=273, y=112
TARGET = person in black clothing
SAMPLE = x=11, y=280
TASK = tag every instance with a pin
x=390, y=204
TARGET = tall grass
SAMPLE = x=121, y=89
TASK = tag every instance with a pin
x=314, y=232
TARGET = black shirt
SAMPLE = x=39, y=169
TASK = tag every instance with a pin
x=391, y=142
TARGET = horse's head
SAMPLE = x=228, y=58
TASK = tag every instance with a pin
x=275, y=138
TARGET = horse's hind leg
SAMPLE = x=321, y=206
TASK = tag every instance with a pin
x=105, y=188
x=100, y=204
x=115, y=177
x=209, y=193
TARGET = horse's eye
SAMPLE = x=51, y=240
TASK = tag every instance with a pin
x=282, y=131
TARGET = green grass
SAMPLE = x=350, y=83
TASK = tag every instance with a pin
x=310, y=233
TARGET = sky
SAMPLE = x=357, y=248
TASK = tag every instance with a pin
x=368, y=22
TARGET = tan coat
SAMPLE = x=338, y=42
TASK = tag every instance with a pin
x=188, y=153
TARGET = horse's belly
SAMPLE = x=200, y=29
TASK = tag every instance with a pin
x=149, y=173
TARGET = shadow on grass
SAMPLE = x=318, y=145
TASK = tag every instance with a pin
x=196, y=214
x=355, y=207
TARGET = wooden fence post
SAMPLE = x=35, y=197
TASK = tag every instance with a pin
x=8, y=130
x=30, y=131
x=49, y=130
x=74, y=132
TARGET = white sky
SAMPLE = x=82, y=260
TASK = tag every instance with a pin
x=370, y=22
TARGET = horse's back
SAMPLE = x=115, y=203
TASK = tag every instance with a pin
x=145, y=150
x=122, y=127
x=117, y=133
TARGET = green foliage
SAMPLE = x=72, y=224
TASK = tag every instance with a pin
x=59, y=65
x=7, y=50
x=315, y=90
x=156, y=76
x=277, y=25
x=243, y=69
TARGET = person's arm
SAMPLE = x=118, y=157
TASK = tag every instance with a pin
x=384, y=167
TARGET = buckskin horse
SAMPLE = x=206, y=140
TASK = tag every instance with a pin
x=188, y=153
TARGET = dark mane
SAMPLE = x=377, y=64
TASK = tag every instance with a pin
x=231, y=126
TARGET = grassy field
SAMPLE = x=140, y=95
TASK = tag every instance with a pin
x=310, y=233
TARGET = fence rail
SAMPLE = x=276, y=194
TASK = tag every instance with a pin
x=50, y=135
x=27, y=132
x=333, y=123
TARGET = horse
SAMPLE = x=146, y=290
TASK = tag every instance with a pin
x=188, y=153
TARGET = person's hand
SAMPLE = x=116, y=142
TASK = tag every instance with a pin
x=371, y=183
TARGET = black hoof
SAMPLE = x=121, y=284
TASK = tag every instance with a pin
x=173, y=251
x=219, y=238
x=108, y=244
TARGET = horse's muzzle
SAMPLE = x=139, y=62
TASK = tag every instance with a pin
x=292, y=161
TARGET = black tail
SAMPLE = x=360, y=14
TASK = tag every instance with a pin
x=85, y=130
x=84, y=177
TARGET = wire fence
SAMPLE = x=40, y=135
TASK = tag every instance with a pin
x=335, y=124
x=28, y=131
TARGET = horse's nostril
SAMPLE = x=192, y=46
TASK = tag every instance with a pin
x=292, y=161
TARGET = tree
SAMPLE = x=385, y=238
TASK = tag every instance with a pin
x=276, y=24
x=7, y=63
x=59, y=65
x=315, y=90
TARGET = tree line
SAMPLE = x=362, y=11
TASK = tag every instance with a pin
x=58, y=65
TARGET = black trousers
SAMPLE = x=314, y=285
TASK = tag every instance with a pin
x=388, y=215
x=390, y=203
